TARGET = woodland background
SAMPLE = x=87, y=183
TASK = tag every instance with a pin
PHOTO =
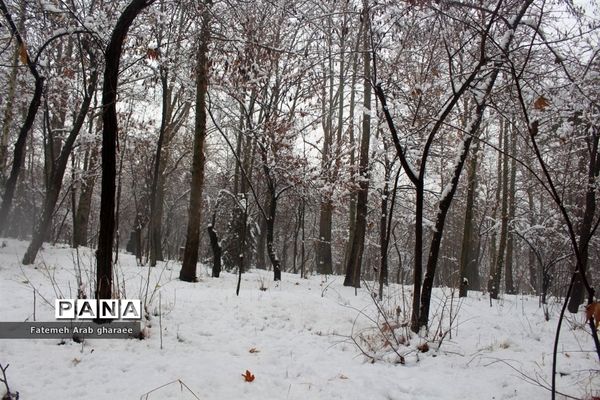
x=430, y=143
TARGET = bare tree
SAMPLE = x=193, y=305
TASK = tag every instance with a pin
x=110, y=129
x=190, y=255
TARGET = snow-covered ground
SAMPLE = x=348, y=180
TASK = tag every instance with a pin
x=294, y=336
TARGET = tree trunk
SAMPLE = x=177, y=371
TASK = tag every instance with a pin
x=58, y=171
x=447, y=197
x=351, y=139
x=272, y=212
x=497, y=201
x=494, y=284
x=353, y=265
x=82, y=215
x=534, y=271
x=324, y=258
x=215, y=246
x=190, y=255
x=324, y=255
x=261, y=261
x=587, y=222
x=383, y=233
x=468, y=263
x=109, y=139
x=10, y=99
x=157, y=179
x=509, y=285
x=20, y=145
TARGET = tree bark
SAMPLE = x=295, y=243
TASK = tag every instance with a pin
x=20, y=145
x=509, y=285
x=495, y=278
x=190, y=255
x=272, y=212
x=468, y=263
x=324, y=255
x=10, y=98
x=352, y=142
x=109, y=139
x=587, y=222
x=215, y=246
x=156, y=199
x=383, y=230
x=82, y=215
x=58, y=171
x=353, y=265
x=534, y=271
x=324, y=258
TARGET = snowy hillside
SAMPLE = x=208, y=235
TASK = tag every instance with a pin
x=296, y=337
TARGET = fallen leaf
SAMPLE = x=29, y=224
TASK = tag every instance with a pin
x=423, y=348
x=75, y=361
x=254, y=350
x=248, y=376
x=342, y=376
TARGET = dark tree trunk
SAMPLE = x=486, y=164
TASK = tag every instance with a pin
x=20, y=145
x=534, y=272
x=58, y=171
x=509, y=284
x=497, y=202
x=155, y=198
x=10, y=99
x=446, y=201
x=436, y=241
x=468, y=261
x=324, y=257
x=261, y=261
x=587, y=223
x=495, y=278
x=215, y=246
x=447, y=197
x=109, y=139
x=190, y=255
x=383, y=233
x=272, y=212
x=84, y=204
x=351, y=140
x=353, y=265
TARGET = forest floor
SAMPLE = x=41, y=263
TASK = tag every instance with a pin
x=297, y=337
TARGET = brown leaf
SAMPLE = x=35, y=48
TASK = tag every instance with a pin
x=152, y=54
x=68, y=73
x=23, y=56
x=541, y=103
x=593, y=311
x=423, y=348
x=254, y=350
x=248, y=376
x=416, y=92
x=389, y=327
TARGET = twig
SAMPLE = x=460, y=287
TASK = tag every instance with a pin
x=181, y=384
x=9, y=395
x=160, y=319
x=534, y=381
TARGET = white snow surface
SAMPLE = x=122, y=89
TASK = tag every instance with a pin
x=300, y=329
